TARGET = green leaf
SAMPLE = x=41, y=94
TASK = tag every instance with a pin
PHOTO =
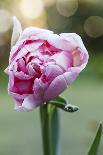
x=61, y=103
x=95, y=145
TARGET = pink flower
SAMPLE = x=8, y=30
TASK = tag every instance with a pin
x=42, y=65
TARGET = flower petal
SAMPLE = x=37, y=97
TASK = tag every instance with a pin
x=57, y=41
x=63, y=59
x=76, y=39
x=33, y=32
x=52, y=71
x=57, y=86
x=16, y=31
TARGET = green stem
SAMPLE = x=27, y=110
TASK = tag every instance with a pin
x=45, y=129
x=50, y=129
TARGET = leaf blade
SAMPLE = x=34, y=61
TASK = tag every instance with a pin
x=95, y=145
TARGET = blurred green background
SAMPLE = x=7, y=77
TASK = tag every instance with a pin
x=20, y=132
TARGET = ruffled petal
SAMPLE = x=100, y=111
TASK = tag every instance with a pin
x=29, y=103
x=33, y=32
x=57, y=41
x=63, y=59
x=57, y=86
x=52, y=71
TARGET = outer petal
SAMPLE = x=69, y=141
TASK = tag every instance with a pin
x=57, y=41
x=52, y=71
x=21, y=49
x=39, y=88
x=29, y=103
x=70, y=76
x=32, y=32
x=58, y=85
x=21, y=75
x=73, y=37
x=17, y=96
x=16, y=31
x=63, y=59
x=17, y=52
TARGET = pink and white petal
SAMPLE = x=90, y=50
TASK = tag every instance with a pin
x=57, y=86
x=63, y=59
x=31, y=102
x=17, y=54
x=11, y=80
x=17, y=96
x=21, y=65
x=52, y=71
x=17, y=30
x=23, y=86
x=21, y=53
x=32, y=31
x=33, y=46
x=70, y=77
x=18, y=51
x=13, y=53
x=18, y=106
x=39, y=88
x=21, y=75
x=80, y=60
x=84, y=59
x=57, y=41
x=73, y=37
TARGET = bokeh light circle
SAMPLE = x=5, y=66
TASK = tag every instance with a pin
x=49, y=3
x=5, y=20
x=93, y=26
x=67, y=8
x=31, y=8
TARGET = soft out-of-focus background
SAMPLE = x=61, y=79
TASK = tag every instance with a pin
x=20, y=132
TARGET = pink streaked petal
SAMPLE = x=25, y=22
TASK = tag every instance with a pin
x=33, y=46
x=21, y=75
x=11, y=80
x=70, y=77
x=52, y=71
x=22, y=53
x=21, y=65
x=82, y=65
x=18, y=108
x=17, y=54
x=39, y=87
x=76, y=58
x=32, y=31
x=31, y=70
x=73, y=37
x=63, y=59
x=12, y=53
x=57, y=41
x=30, y=102
x=57, y=86
x=23, y=86
x=17, y=96
x=84, y=59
